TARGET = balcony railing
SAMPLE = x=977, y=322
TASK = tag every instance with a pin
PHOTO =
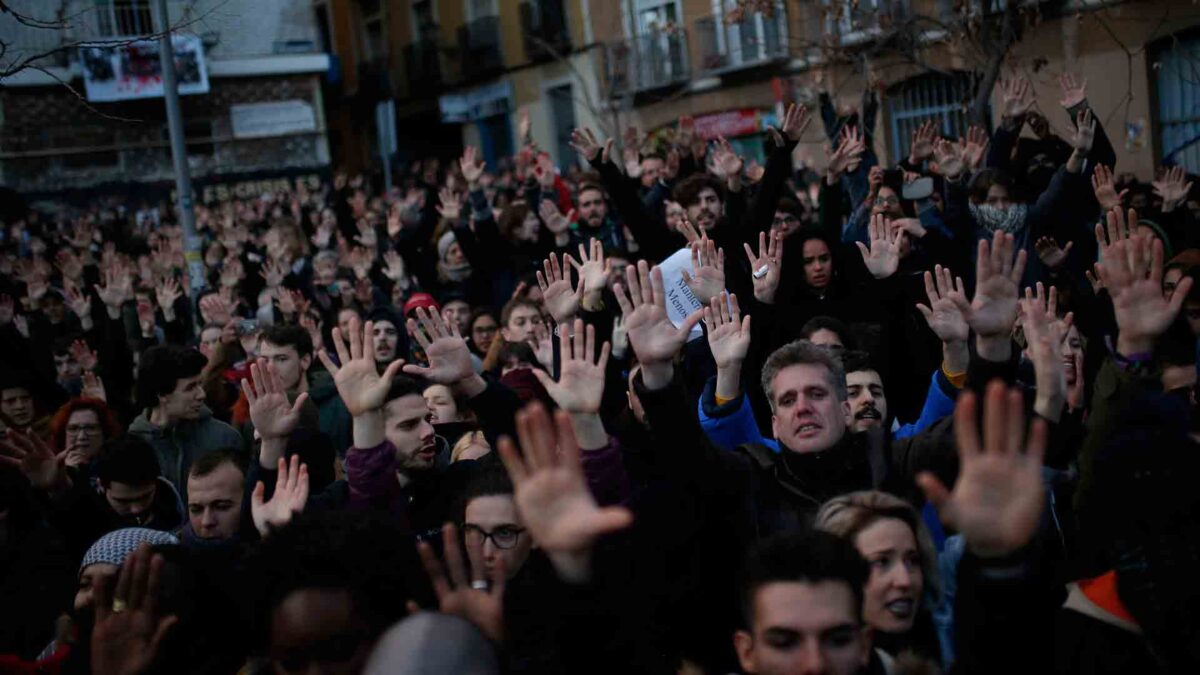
x=755, y=40
x=544, y=26
x=479, y=48
x=650, y=61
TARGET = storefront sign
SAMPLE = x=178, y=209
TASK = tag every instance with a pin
x=481, y=102
x=132, y=70
x=729, y=123
x=275, y=118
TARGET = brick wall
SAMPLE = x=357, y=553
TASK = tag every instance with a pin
x=51, y=140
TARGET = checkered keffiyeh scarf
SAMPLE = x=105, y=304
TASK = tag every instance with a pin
x=115, y=546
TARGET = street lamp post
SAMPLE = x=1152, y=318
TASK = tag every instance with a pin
x=183, y=177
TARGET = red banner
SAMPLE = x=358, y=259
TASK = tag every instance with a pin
x=729, y=123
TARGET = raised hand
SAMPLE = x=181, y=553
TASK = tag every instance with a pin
x=921, y=147
x=216, y=309
x=393, y=265
x=1074, y=91
x=1085, y=131
x=130, y=628
x=949, y=158
x=1172, y=187
x=551, y=492
x=1105, y=189
x=449, y=357
x=944, y=312
x=643, y=299
x=975, y=148
x=592, y=267
x=1050, y=253
x=366, y=237
x=993, y=310
x=289, y=498
x=585, y=143
x=79, y=302
x=1132, y=270
x=166, y=293
x=726, y=162
x=1044, y=335
x=766, y=267
x=93, y=387
x=795, y=121
x=555, y=221
x=117, y=288
x=998, y=498
x=29, y=454
x=84, y=355
x=580, y=384
x=450, y=205
x=1016, y=97
x=708, y=270
x=471, y=600
x=273, y=416
x=728, y=331
x=358, y=382
x=848, y=154
x=471, y=165
x=561, y=300
x=883, y=257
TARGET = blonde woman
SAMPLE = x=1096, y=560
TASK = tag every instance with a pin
x=903, y=586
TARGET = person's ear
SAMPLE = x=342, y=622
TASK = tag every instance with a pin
x=743, y=644
x=847, y=412
x=305, y=362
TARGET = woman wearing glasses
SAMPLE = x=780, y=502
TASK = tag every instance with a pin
x=79, y=428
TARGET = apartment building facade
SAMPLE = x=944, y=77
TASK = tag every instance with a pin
x=668, y=58
x=68, y=128
x=456, y=72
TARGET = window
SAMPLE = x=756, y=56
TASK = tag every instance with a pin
x=1177, y=90
x=117, y=18
x=937, y=97
x=374, y=36
x=757, y=37
x=424, y=21
x=478, y=9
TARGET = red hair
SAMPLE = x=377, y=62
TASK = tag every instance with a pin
x=58, y=425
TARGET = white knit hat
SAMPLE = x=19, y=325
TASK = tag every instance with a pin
x=114, y=547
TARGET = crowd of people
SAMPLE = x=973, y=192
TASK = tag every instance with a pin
x=929, y=418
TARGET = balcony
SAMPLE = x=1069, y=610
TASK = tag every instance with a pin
x=650, y=61
x=544, y=26
x=756, y=40
x=479, y=48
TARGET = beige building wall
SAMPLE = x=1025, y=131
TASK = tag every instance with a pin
x=1092, y=43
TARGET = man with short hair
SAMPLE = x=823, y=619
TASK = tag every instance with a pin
x=174, y=419
x=802, y=599
x=289, y=350
x=518, y=318
x=216, y=484
x=391, y=341
x=16, y=402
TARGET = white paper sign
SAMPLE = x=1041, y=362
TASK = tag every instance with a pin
x=274, y=118
x=680, y=300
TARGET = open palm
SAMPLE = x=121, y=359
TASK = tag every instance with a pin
x=551, y=491
x=998, y=498
x=449, y=357
x=359, y=384
x=651, y=334
x=580, y=384
x=273, y=416
x=288, y=499
x=943, y=313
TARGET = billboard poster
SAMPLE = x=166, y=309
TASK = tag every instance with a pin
x=131, y=70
